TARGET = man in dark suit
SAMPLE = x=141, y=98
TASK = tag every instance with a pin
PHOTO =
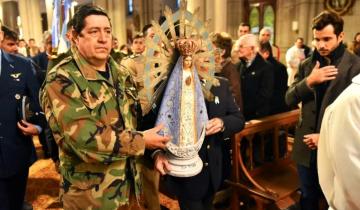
x=197, y=192
x=277, y=104
x=17, y=151
x=256, y=76
x=318, y=82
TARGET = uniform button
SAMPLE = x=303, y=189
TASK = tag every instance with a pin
x=206, y=164
x=1, y=137
x=208, y=146
x=0, y=124
x=312, y=128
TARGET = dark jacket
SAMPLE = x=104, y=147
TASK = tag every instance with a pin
x=210, y=177
x=277, y=103
x=230, y=72
x=312, y=108
x=257, y=84
x=16, y=80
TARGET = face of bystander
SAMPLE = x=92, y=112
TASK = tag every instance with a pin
x=326, y=40
x=243, y=30
x=138, y=45
x=9, y=46
x=264, y=36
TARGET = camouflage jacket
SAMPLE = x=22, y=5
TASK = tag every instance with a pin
x=93, y=121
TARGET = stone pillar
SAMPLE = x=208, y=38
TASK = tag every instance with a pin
x=116, y=10
x=119, y=18
x=220, y=17
x=30, y=20
x=10, y=13
x=49, y=12
x=234, y=14
x=192, y=5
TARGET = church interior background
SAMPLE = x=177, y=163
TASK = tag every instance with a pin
x=288, y=19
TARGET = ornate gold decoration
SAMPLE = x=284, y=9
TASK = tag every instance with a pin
x=170, y=36
x=340, y=7
x=186, y=46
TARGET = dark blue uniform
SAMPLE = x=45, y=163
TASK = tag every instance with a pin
x=17, y=151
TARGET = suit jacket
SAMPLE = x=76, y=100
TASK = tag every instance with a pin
x=257, y=84
x=210, y=177
x=16, y=80
x=277, y=103
x=311, y=114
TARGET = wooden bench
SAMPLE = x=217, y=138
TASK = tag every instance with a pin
x=273, y=182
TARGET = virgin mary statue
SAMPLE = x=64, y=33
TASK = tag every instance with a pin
x=183, y=112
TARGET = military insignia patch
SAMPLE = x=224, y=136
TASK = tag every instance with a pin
x=15, y=75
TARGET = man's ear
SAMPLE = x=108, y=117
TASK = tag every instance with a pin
x=75, y=36
x=341, y=36
x=1, y=36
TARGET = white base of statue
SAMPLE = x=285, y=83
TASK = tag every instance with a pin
x=181, y=167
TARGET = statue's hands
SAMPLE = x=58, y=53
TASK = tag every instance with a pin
x=153, y=140
x=214, y=125
x=161, y=163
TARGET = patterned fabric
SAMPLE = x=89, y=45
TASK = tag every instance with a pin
x=93, y=121
x=171, y=113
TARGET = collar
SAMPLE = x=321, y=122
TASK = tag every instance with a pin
x=332, y=58
x=86, y=69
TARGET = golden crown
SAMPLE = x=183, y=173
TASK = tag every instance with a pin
x=186, y=46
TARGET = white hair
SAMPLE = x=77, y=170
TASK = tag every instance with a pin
x=250, y=39
x=268, y=29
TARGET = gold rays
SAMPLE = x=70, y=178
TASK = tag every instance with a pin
x=160, y=50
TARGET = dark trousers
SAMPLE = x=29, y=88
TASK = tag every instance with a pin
x=12, y=191
x=204, y=204
x=311, y=193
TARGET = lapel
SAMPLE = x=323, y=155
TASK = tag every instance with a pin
x=337, y=85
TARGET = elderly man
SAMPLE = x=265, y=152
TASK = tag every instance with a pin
x=320, y=80
x=256, y=76
x=265, y=36
x=92, y=107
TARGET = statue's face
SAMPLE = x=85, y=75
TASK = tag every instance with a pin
x=187, y=62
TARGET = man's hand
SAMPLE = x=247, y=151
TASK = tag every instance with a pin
x=27, y=129
x=214, y=125
x=161, y=163
x=153, y=140
x=320, y=75
x=311, y=140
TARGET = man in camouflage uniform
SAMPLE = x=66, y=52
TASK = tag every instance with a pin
x=91, y=105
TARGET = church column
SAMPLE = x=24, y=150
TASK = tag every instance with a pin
x=116, y=10
x=119, y=20
x=49, y=12
x=30, y=20
x=192, y=5
x=235, y=15
x=10, y=13
x=220, y=15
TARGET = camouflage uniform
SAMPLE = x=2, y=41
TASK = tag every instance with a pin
x=150, y=176
x=93, y=120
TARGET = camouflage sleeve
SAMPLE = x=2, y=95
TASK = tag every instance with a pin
x=78, y=130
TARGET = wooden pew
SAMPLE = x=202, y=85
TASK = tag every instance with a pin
x=272, y=183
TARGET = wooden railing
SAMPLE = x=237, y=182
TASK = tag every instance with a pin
x=273, y=181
